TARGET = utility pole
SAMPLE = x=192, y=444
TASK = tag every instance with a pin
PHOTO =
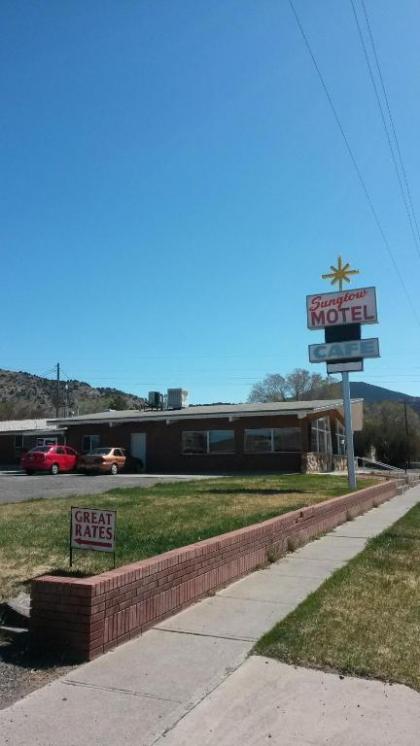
x=406, y=432
x=57, y=401
x=66, y=399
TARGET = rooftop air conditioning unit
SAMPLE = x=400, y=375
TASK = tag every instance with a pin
x=155, y=399
x=177, y=399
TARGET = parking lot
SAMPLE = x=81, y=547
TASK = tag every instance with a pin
x=16, y=486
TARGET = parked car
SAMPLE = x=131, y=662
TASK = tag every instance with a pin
x=53, y=459
x=103, y=460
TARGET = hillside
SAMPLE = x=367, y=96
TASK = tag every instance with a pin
x=372, y=394
x=25, y=395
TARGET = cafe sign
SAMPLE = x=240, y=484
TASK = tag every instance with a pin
x=348, y=350
x=356, y=306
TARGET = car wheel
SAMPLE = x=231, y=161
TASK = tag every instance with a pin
x=55, y=469
x=29, y=472
x=114, y=469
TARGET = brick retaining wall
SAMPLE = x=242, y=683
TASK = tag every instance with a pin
x=87, y=616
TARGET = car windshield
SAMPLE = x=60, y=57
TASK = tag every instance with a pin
x=40, y=449
x=101, y=451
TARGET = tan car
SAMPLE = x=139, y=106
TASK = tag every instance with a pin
x=102, y=461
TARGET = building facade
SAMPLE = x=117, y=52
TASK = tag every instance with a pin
x=280, y=436
x=19, y=436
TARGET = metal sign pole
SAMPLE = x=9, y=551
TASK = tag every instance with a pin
x=349, y=431
x=71, y=533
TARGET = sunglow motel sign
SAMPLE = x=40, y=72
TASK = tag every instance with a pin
x=339, y=309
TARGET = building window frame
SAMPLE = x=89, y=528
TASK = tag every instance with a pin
x=94, y=442
x=45, y=441
x=208, y=450
x=340, y=438
x=272, y=433
x=321, y=435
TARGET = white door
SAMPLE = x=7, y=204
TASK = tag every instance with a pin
x=138, y=446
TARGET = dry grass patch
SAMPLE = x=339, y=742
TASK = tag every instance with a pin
x=34, y=535
x=364, y=620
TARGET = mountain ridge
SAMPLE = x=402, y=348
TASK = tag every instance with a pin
x=26, y=395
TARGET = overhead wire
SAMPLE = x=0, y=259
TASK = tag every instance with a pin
x=355, y=164
x=391, y=118
x=389, y=132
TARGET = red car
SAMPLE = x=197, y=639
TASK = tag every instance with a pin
x=49, y=458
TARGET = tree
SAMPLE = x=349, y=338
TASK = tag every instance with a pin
x=21, y=410
x=272, y=388
x=298, y=385
x=385, y=431
x=117, y=402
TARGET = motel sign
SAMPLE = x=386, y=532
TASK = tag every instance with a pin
x=342, y=315
x=338, y=309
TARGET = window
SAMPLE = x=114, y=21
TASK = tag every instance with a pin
x=321, y=435
x=46, y=441
x=194, y=442
x=258, y=441
x=273, y=440
x=208, y=441
x=221, y=441
x=340, y=439
x=287, y=439
x=89, y=442
x=18, y=442
x=60, y=450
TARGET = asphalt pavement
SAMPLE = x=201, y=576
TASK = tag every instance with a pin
x=16, y=486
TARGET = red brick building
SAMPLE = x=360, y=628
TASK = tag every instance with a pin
x=18, y=436
x=278, y=436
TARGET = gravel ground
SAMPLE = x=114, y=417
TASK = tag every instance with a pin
x=21, y=671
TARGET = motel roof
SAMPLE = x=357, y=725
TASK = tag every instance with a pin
x=299, y=408
x=27, y=426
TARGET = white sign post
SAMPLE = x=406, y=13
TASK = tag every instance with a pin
x=93, y=529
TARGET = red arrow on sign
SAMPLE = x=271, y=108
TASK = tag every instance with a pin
x=92, y=543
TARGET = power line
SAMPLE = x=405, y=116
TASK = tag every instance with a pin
x=355, y=164
x=389, y=131
x=391, y=119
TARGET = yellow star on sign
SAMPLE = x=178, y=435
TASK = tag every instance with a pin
x=340, y=273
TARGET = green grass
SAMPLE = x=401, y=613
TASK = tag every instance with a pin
x=365, y=619
x=34, y=534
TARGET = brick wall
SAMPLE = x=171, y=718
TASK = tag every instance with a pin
x=88, y=616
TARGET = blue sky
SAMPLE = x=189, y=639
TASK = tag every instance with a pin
x=173, y=184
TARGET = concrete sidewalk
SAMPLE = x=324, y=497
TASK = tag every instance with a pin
x=187, y=681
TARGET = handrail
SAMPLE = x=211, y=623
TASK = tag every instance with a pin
x=380, y=464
